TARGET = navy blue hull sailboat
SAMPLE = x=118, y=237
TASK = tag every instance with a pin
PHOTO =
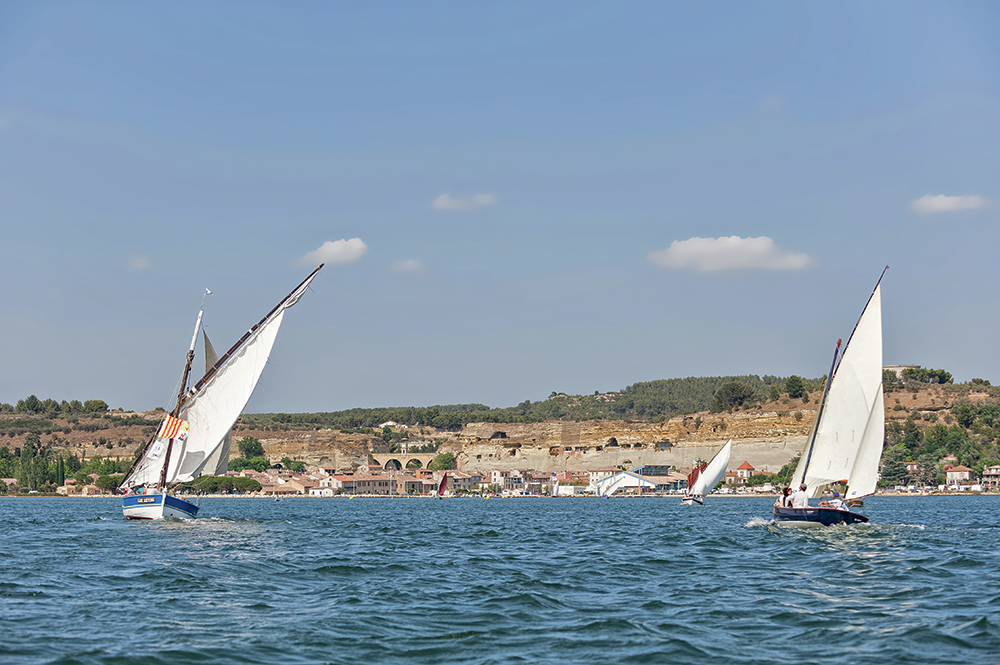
x=845, y=444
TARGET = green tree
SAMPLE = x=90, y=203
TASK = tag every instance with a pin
x=795, y=386
x=250, y=447
x=95, y=406
x=29, y=404
x=889, y=379
x=911, y=435
x=733, y=393
x=442, y=462
x=784, y=476
x=893, y=469
x=108, y=483
x=965, y=414
x=927, y=473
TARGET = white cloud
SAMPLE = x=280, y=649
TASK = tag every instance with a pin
x=928, y=204
x=411, y=266
x=727, y=254
x=137, y=263
x=336, y=251
x=449, y=202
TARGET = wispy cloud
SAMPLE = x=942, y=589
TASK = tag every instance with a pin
x=336, y=251
x=137, y=263
x=411, y=266
x=449, y=202
x=730, y=253
x=928, y=204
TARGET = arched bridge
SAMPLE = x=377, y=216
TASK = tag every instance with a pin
x=403, y=460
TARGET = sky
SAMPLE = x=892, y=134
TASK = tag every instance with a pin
x=510, y=198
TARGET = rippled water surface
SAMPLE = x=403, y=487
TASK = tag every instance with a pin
x=498, y=581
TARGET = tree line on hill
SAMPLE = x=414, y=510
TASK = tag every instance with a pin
x=51, y=408
x=39, y=468
x=647, y=401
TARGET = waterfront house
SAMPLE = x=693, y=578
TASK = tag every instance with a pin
x=958, y=475
x=302, y=484
x=744, y=472
x=597, y=475
x=991, y=476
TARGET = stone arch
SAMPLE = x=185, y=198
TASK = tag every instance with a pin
x=414, y=464
x=498, y=435
x=392, y=465
x=612, y=442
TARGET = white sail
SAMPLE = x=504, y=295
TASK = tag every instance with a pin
x=211, y=409
x=713, y=473
x=849, y=434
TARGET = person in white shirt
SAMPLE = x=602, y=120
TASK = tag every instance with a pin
x=834, y=502
x=800, y=499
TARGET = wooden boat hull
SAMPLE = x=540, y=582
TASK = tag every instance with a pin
x=814, y=516
x=157, y=507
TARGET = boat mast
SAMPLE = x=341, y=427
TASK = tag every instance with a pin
x=180, y=396
x=819, y=411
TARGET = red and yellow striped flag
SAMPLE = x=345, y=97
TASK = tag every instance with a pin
x=173, y=428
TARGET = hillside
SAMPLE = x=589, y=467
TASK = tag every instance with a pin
x=927, y=423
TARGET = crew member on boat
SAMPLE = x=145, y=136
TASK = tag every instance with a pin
x=834, y=502
x=800, y=499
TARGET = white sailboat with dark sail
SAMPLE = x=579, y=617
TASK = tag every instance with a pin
x=845, y=444
x=704, y=477
x=195, y=437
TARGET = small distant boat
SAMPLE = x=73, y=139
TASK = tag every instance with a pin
x=703, y=479
x=846, y=441
x=442, y=486
x=195, y=438
x=555, y=487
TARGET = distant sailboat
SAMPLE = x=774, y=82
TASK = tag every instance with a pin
x=195, y=437
x=443, y=485
x=846, y=441
x=703, y=479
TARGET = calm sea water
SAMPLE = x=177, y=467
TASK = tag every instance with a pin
x=498, y=581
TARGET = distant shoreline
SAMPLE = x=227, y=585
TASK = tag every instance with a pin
x=745, y=495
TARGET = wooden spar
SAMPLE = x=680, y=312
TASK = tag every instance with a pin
x=222, y=360
x=819, y=411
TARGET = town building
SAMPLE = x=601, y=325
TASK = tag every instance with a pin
x=991, y=476
x=958, y=475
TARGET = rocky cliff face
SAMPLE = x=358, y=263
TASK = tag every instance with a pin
x=766, y=440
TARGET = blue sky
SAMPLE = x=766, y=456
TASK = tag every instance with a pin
x=512, y=198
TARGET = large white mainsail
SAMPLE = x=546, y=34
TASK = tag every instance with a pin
x=713, y=473
x=209, y=411
x=848, y=437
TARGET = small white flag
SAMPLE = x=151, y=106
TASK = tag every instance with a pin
x=207, y=292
